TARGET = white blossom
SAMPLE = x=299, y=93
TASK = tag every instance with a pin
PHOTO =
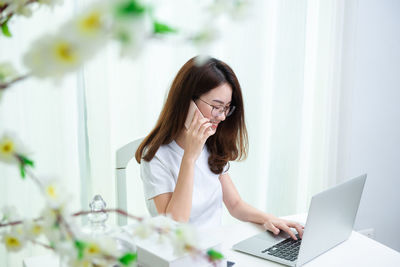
x=132, y=34
x=55, y=194
x=163, y=222
x=77, y=41
x=32, y=229
x=54, y=56
x=53, y=228
x=54, y=235
x=91, y=26
x=65, y=249
x=14, y=240
x=10, y=147
x=18, y=7
x=8, y=214
x=108, y=245
x=183, y=238
x=25, y=7
x=143, y=230
x=7, y=72
x=201, y=60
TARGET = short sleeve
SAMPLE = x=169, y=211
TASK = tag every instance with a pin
x=157, y=178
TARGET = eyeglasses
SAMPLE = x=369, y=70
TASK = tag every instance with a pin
x=216, y=111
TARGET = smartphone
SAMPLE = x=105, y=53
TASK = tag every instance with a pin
x=192, y=109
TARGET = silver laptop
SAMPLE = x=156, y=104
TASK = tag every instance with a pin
x=330, y=221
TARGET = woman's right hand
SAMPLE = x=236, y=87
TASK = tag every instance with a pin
x=196, y=136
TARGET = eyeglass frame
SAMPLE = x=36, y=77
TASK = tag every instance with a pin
x=230, y=109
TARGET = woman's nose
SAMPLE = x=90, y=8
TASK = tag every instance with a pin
x=221, y=116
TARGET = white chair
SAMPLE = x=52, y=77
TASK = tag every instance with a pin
x=123, y=157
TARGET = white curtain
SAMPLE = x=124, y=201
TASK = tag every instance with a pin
x=286, y=55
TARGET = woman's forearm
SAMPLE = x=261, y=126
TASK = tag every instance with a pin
x=180, y=205
x=247, y=213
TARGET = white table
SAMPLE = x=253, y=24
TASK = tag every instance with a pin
x=358, y=250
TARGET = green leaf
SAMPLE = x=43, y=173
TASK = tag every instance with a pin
x=162, y=28
x=24, y=161
x=128, y=258
x=22, y=170
x=80, y=246
x=5, y=29
x=130, y=8
x=215, y=255
x=27, y=161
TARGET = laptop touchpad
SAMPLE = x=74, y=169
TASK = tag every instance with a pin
x=268, y=236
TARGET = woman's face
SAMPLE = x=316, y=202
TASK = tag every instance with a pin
x=220, y=96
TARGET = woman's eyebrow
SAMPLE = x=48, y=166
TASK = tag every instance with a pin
x=221, y=102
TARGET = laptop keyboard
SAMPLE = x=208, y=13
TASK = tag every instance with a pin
x=288, y=249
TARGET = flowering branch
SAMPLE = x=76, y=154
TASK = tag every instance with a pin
x=18, y=222
x=62, y=221
x=4, y=86
x=118, y=211
x=130, y=23
x=211, y=255
x=11, y=223
x=12, y=151
x=80, y=213
x=12, y=8
x=4, y=7
x=42, y=244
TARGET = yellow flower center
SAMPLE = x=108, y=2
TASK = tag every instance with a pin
x=65, y=52
x=12, y=242
x=7, y=147
x=37, y=229
x=93, y=249
x=51, y=191
x=91, y=23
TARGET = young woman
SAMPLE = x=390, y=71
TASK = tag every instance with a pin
x=185, y=170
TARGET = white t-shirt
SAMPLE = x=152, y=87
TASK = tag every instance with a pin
x=161, y=174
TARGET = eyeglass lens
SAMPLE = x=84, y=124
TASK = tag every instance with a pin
x=223, y=110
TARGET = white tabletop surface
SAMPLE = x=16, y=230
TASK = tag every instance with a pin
x=358, y=250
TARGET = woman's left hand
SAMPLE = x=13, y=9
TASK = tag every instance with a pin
x=275, y=225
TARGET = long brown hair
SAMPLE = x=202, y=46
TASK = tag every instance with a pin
x=230, y=141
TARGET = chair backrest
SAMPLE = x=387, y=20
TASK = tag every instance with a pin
x=123, y=156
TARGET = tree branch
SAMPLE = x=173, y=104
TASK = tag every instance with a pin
x=2, y=8
x=42, y=244
x=119, y=211
x=4, y=86
x=17, y=222
x=80, y=213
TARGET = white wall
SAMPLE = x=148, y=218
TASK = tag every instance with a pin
x=369, y=138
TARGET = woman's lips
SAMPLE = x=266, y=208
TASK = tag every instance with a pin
x=214, y=125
